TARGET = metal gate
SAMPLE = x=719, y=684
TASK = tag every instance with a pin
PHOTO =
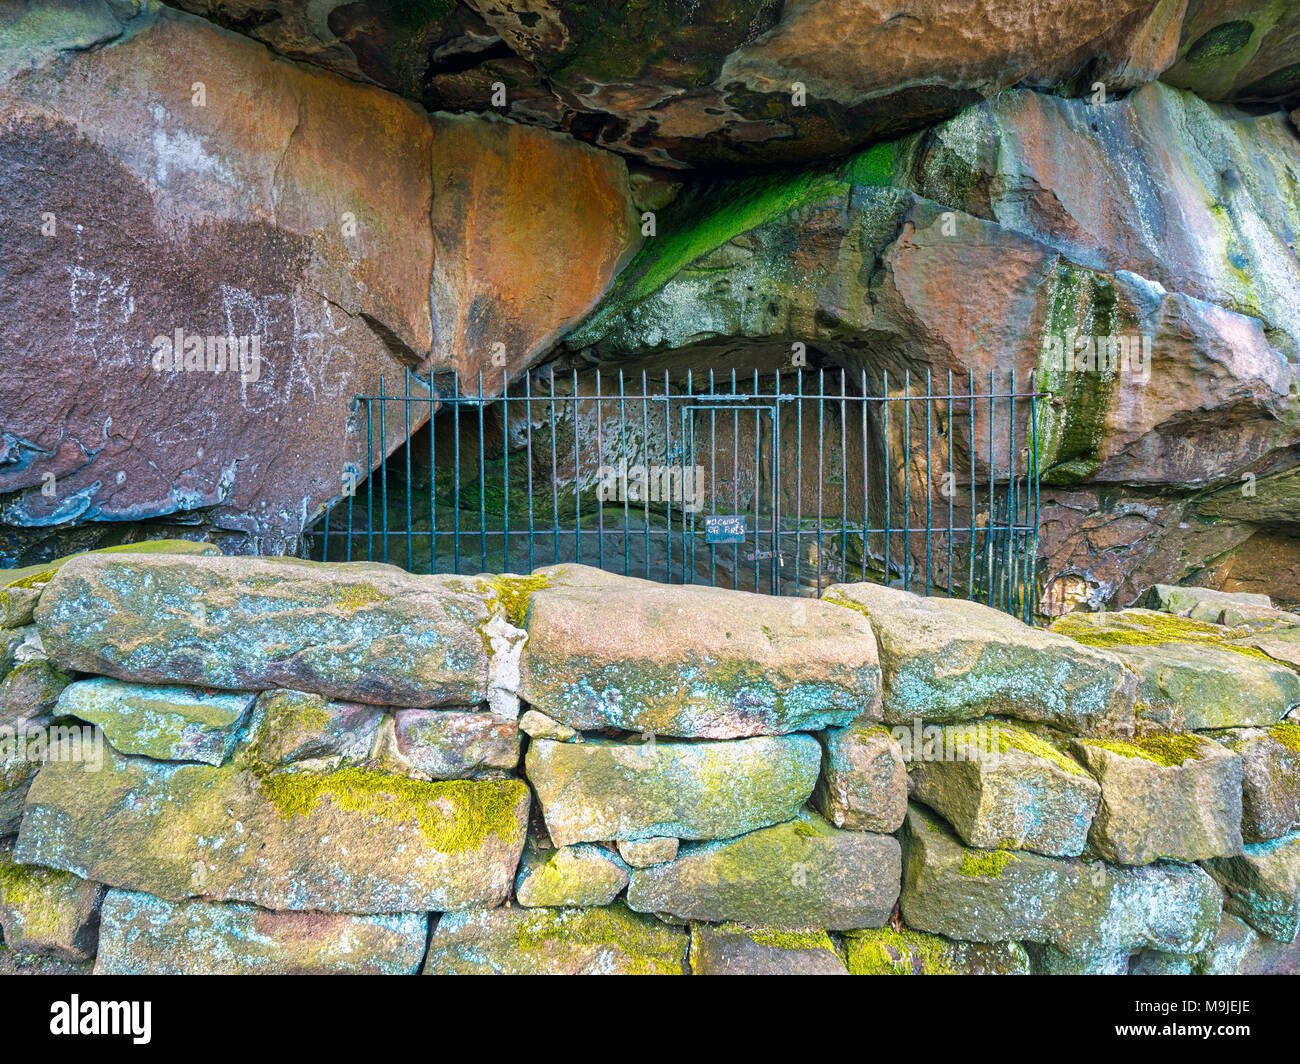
x=769, y=483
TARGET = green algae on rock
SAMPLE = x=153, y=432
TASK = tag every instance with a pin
x=288, y=727
x=353, y=840
x=358, y=631
x=164, y=723
x=906, y=952
x=606, y=941
x=1015, y=790
x=700, y=662
x=1191, y=675
x=1164, y=796
x=143, y=935
x=598, y=790
x=44, y=912
x=1089, y=911
x=863, y=782
x=948, y=660
x=580, y=876
x=732, y=949
x=803, y=873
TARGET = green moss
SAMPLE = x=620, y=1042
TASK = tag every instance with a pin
x=1149, y=628
x=806, y=831
x=1221, y=41
x=889, y=952
x=454, y=816
x=985, y=864
x=352, y=597
x=1165, y=750
x=1288, y=735
x=511, y=594
x=776, y=938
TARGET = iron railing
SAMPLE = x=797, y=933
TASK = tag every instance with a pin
x=758, y=482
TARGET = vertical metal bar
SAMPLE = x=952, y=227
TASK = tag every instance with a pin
x=433, y=480
x=1033, y=455
x=798, y=475
x=406, y=411
x=821, y=467
x=505, y=471
x=775, y=480
x=528, y=436
x=992, y=524
x=383, y=463
x=668, y=453
x=645, y=449
x=929, y=485
x=555, y=477
x=970, y=391
x=844, y=476
x=1013, y=556
x=758, y=494
x=600, y=503
x=688, y=455
x=622, y=439
x=889, y=473
x=735, y=480
x=950, y=483
x=482, y=478
x=713, y=478
x=866, y=487
x=577, y=477
x=455, y=495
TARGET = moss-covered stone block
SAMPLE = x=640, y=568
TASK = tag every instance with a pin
x=803, y=873
x=165, y=723
x=599, y=790
x=863, y=782
x=732, y=949
x=905, y=952
x=45, y=912
x=144, y=935
x=1262, y=886
x=355, y=631
x=581, y=876
x=352, y=840
x=605, y=941
x=1270, y=779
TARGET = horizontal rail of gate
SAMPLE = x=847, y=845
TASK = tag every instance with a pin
x=783, y=483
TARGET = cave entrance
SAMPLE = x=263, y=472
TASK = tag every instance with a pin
x=783, y=483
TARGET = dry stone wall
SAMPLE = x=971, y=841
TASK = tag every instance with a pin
x=235, y=765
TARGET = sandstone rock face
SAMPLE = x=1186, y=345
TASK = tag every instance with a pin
x=1192, y=675
x=1270, y=779
x=571, y=877
x=610, y=941
x=1014, y=791
x=729, y=949
x=1202, y=603
x=794, y=875
x=353, y=841
x=324, y=220
x=950, y=660
x=890, y=952
x=47, y=913
x=863, y=785
x=604, y=790
x=362, y=632
x=1262, y=886
x=607, y=651
x=164, y=723
x=712, y=82
x=144, y=935
x=1088, y=912
x=1172, y=796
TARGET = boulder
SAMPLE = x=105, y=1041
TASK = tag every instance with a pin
x=1281, y=644
x=539, y=726
x=292, y=727
x=1164, y=796
x=357, y=631
x=44, y=912
x=803, y=873
x=1191, y=677
x=581, y=876
x=164, y=723
x=144, y=935
x=606, y=651
x=1088, y=911
x=729, y=949
x=1013, y=790
x=863, y=784
x=606, y=941
x=17, y=770
x=1202, y=603
x=600, y=790
x=1238, y=949
x=642, y=853
x=443, y=744
x=905, y=952
x=947, y=660
x=1270, y=779
x=30, y=690
x=1262, y=886
x=353, y=840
